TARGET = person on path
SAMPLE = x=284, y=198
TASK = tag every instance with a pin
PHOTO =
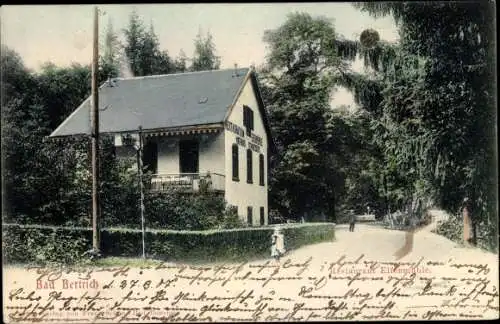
x=352, y=221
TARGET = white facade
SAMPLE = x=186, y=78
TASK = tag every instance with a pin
x=211, y=153
x=215, y=156
x=240, y=193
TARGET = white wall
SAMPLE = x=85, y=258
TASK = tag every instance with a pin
x=211, y=153
x=240, y=193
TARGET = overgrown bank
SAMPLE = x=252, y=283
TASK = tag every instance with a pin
x=453, y=229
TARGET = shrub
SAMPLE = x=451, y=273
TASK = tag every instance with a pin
x=303, y=234
x=178, y=211
x=453, y=230
x=44, y=245
x=231, y=218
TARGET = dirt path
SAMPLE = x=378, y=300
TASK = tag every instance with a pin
x=381, y=244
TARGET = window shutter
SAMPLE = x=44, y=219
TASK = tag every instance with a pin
x=261, y=169
x=245, y=116
x=251, y=119
x=248, y=120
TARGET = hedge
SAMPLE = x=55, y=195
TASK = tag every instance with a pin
x=44, y=244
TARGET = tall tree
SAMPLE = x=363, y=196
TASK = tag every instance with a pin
x=204, y=57
x=143, y=49
x=111, y=49
x=134, y=36
x=298, y=79
x=438, y=102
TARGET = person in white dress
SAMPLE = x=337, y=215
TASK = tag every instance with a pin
x=277, y=245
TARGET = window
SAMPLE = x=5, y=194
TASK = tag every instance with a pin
x=261, y=169
x=248, y=119
x=249, y=215
x=249, y=166
x=262, y=221
x=236, y=176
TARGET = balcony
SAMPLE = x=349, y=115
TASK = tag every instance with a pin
x=189, y=182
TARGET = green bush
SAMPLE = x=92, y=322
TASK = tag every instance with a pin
x=45, y=245
x=177, y=211
x=304, y=234
x=453, y=230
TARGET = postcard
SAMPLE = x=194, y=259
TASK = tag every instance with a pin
x=249, y=162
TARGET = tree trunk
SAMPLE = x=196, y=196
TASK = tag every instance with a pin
x=467, y=225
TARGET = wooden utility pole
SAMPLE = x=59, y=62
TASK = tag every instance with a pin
x=140, y=151
x=95, y=140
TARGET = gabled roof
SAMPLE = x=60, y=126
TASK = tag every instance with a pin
x=165, y=102
x=158, y=102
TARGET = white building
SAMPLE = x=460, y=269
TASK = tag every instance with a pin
x=195, y=126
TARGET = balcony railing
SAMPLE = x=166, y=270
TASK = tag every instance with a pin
x=187, y=181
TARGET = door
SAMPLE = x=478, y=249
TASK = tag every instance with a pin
x=188, y=156
x=150, y=156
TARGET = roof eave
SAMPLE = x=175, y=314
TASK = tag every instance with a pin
x=263, y=112
x=152, y=131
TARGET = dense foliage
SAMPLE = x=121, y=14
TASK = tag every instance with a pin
x=307, y=174
x=425, y=133
x=25, y=244
x=47, y=181
x=437, y=121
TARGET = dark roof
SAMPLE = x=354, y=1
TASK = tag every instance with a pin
x=157, y=102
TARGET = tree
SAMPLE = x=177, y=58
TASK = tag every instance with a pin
x=143, y=50
x=204, y=57
x=48, y=181
x=134, y=36
x=38, y=177
x=110, y=60
x=437, y=109
x=60, y=90
x=308, y=173
x=154, y=61
x=180, y=64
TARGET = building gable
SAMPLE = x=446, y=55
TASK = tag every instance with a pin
x=243, y=102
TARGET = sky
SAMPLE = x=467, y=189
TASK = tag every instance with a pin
x=62, y=34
